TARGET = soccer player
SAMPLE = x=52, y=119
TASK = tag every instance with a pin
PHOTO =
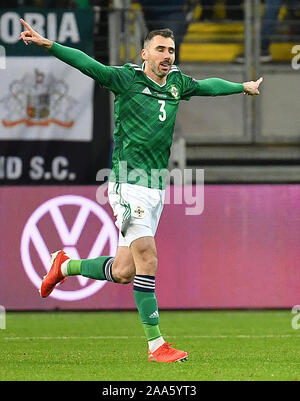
x=146, y=103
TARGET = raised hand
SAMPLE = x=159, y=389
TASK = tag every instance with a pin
x=31, y=36
x=251, y=88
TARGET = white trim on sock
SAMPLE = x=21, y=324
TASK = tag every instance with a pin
x=64, y=267
x=156, y=343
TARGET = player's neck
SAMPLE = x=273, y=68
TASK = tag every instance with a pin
x=150, y=74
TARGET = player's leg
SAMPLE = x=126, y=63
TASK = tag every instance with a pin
x=119, y=269
x=146, y=262
x=123, y=268
x=145, y=257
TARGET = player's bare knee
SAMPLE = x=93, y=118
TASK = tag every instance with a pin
x=123, y=274
x=125, y=278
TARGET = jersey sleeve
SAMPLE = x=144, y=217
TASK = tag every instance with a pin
x=208, y=87
x=116, y=79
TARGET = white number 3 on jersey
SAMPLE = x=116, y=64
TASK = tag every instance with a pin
x=163, y=114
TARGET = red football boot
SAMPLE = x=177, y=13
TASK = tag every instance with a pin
x=167, y=354
x=54, y=275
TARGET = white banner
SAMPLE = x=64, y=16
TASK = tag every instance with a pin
x=42, y=98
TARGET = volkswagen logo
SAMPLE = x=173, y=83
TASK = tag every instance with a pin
x=67, y=218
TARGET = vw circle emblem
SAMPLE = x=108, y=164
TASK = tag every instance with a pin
x=107, y=236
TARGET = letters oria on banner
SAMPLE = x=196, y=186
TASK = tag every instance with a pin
x=45, y=100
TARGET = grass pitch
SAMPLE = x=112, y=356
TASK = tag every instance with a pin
x=110, y=346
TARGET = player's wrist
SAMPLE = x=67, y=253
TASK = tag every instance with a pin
x=47, y=44
x=247, y=88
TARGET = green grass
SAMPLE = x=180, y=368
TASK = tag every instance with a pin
x=105, y=346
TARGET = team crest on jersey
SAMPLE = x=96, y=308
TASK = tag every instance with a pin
x=174, y=91
x=139, y=212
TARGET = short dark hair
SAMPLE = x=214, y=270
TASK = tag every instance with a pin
x=166, y=33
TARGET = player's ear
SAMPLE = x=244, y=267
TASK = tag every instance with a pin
x=144, y=54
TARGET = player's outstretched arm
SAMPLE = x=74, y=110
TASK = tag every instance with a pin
x=115, y=79
x=74, y=57
x=31, y=36
x=252, y=87
x=217, y=87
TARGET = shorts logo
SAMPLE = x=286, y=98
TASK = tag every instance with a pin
x=139, y=212
x=70, y=223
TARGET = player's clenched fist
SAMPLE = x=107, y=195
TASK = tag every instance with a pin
x=31, y=36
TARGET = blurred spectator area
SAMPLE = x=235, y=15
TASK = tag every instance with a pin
x=221, y=38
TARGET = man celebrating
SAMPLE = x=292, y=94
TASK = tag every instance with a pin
x=146, y=103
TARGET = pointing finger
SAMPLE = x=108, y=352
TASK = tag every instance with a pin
x=25, y=24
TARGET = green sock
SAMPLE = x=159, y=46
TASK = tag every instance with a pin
x=152, y=332
x=146, y=303
x=74, y=267
x=98, y=268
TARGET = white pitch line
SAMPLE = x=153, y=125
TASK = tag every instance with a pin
x=142, y=337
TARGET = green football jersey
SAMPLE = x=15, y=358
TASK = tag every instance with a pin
x=144, y=113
